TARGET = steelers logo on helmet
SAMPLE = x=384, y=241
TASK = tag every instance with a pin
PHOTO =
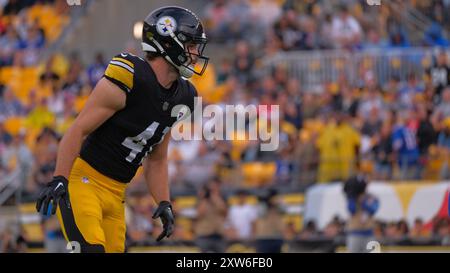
x=166, y=25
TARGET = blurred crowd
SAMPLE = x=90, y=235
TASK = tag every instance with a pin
x=319, y=24
x=26, y=31
x=390, y=130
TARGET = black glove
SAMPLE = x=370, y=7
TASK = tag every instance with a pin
x=164, y=211
x=53, y=192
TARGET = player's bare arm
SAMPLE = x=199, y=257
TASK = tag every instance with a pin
x=156, y=171
x=105, y=100
x=157, y=178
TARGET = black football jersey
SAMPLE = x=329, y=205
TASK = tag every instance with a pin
x=118, y=147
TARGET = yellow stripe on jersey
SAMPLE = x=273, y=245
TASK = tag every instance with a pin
x=120, y=74
x=125, y=61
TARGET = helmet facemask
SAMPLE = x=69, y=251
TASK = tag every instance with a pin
x=201, y=61
x=180, y=55
x=177, y=52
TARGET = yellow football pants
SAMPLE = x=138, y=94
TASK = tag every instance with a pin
x=96, y=217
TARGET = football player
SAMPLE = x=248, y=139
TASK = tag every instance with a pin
x=125, y=124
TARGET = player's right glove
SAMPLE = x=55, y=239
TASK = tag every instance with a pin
x=164, y=211
x=53, y=192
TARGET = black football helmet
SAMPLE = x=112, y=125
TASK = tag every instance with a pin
x=168, y=30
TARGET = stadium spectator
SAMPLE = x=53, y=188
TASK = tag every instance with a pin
x=206, y=158
x=18, y=155
x=284, y=167
x=372, y=125
x=243, y=62
x=268, y=228
x=309, y=232
x=54, y=240
x=407, y=93
x=441, y=230
x=439, y=73
x=96, y=70
x=405, y=148
x=32, y=45
x=10, y=106
x=398, y=37
x=9, y=45
x=346, y=30
x=362, y=206
x=40, y=116
x=73, y=83
x=326, y=30
x=13, y=242
x=307, y=157
x=382, y=150
x=13, y=7
x=434, y=36
x=403, y=229
x=418, y=230
x=288, y=31
x=5, y=137
x=339, y=146
x=426, y=135
x=443, y=143
x=140, y=225
x=379, y=230
x=265, y=12
x=210, y=219
x=442, y=110
x=392, y=233
x=56, y=101
x=241, y=217
x=240, y=23
x=44, y=153
x=334, y=228
x=374, y=40
x=217, y=18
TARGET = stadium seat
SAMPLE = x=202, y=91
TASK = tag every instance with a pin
x=258, y=173
x=13, y=125
x=31, y=222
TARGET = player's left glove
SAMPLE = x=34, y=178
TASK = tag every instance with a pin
x=164, y=211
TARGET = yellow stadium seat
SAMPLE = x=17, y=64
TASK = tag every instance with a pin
x=205, y=84
x=13, y=125
x=31, y=136
x=258, y=173
x=6, y=74
x=434, y=164
x=20, y=80
x=34, y=12
x=250, y=200
x=184, y=202
x=34, y=232
x=367, y=166
x=268, y=173
x=288, y=128
x=296, y=220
